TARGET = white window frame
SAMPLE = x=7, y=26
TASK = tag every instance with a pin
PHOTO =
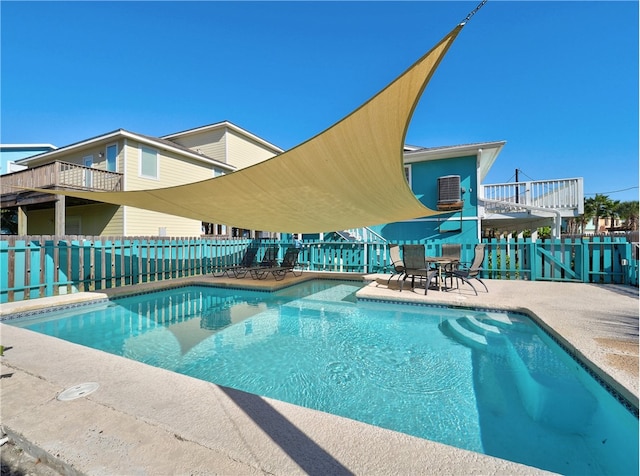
x=106, y=157
x=87, y=179
x=407, y=174
x=157, y=174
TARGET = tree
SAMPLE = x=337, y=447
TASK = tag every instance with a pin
x=628, y=212
x=600, y=206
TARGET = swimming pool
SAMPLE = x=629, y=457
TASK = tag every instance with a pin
x=484, y=381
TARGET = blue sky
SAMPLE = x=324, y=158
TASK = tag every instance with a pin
x=557, y=80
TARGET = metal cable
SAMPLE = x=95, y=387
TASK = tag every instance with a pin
x=473, y=12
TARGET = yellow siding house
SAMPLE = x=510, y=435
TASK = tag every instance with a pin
x=123, y=160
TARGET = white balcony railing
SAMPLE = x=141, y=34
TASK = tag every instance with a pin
x=559, y=194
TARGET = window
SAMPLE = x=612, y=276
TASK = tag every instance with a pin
x=87, y=180
x=112, y=155
x=148, y=162
x=73, y=225
x=407, y=174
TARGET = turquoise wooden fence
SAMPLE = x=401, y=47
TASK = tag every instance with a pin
x=39, y=266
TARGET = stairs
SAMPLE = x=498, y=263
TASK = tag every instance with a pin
x=360, y=234
x=470, y=331
x=550, y=391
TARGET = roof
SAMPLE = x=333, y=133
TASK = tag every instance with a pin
x=118, y=133
x=7, y=147
x=486, y=153
x=228, y=125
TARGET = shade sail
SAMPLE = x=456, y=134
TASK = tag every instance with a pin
x=349, y=176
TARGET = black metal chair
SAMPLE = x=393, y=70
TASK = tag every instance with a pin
x=396, y=262
x=415, y=266
x=247, y=261
x=451, y=251
x=472, y=272
x=269, y=259
x=289, y=264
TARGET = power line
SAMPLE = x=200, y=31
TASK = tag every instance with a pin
x=522, y=172
x=614, y=191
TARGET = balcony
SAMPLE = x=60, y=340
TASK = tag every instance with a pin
x=529, y=205
x=56, y=175
x=561, y=195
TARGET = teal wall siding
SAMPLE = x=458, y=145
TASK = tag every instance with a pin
x=422, y=231
x=447, y=226
x=424, y=180
x=443, y=227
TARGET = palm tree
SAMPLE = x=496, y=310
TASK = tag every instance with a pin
x=588, y=213
x=600, y=206
x=628, y=212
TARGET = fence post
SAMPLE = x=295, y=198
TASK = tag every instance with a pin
x=533, y=252
x=50, y=274
x=585, y=253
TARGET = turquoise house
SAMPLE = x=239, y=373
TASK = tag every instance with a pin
x=448, y=179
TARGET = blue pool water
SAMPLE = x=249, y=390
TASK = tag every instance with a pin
x=489, y=382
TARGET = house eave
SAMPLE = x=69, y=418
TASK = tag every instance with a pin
x=27, y=146
x=228, y=125
x=121, y=133
x=486, y=153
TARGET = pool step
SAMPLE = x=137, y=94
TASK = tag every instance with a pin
x=547, y=391
x=470, y=331
x=497, y=319
x=463, y=335
x=479, y=326
x=328, y=300
x=545, y=384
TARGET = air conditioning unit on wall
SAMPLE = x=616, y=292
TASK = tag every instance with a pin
x=449, y=193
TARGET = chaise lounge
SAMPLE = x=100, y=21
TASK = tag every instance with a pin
x=269, y=259
x=289, y=264
x=247, y=261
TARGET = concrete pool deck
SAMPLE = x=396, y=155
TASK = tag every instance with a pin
x=148, y=421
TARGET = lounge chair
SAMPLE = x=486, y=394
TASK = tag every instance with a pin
x=289, y=264
x=247, y=261
x=269, y=259
x=472, y=272
x=396, y=262
x=415, y=266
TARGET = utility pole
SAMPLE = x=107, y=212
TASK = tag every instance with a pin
x=517, y=188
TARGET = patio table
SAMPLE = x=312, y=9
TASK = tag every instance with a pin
x=440, y=263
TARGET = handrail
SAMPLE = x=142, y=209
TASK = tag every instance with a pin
x=62, y=174
x=557, y=221
x=545, y=194
x=361, y=234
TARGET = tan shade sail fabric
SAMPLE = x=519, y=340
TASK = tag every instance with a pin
x=349, y=176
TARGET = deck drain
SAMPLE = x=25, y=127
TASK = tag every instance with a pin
x=77, y=391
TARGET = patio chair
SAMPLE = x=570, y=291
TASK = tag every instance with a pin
x=451, y=251
x=415, y=266
x=396, y=262
x=246, y=262
x=472, y=272
x=269, y=259
x=289, y=264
